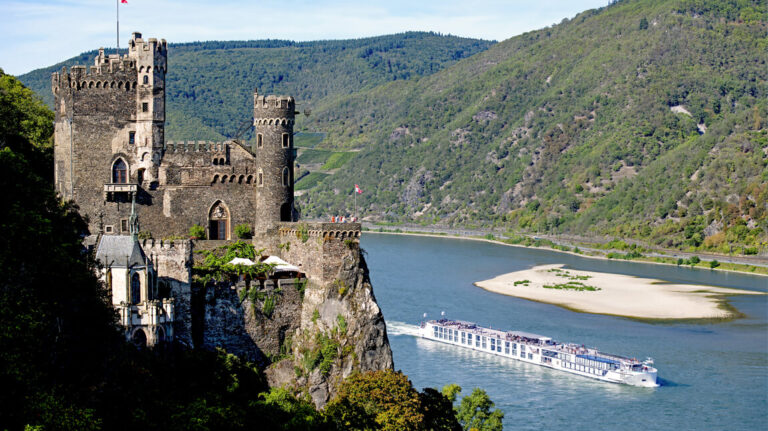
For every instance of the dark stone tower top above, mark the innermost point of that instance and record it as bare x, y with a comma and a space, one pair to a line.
273, 118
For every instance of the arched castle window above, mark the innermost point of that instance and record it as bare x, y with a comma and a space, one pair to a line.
218, 221
119, 172
135, 288
223, 178
215, 179
286, 177
98, 84
146, 79
249, 179
139, 338
231, 178
286, 140
260, 178
215, 162
240, 180
120, 84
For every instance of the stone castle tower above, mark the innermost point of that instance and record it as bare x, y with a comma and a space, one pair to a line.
273, 119
110, 150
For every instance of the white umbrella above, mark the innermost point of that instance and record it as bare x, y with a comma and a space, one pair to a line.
241, 261
280, 265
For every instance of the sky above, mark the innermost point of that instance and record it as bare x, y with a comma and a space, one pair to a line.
39, 33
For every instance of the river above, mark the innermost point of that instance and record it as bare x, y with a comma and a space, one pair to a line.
714, 376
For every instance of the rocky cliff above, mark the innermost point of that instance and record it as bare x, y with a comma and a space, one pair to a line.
311, 332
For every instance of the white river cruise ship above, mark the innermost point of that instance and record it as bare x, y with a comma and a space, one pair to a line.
541, 350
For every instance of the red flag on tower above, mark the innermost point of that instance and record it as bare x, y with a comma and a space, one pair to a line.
123, 1
358, 190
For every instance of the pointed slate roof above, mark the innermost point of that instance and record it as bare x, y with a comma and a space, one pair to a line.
116, 250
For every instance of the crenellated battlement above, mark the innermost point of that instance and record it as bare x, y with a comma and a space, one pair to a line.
114, 71
154, 245
197, 146
273, 110
326, 231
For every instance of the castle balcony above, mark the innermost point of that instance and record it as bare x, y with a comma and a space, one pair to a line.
114, 191
121, 188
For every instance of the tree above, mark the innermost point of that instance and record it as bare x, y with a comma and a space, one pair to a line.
474, 411
58, 325
383, 400
438, 411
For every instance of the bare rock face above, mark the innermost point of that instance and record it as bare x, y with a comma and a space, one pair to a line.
341, 331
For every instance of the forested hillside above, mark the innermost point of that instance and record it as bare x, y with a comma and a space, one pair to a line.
644, 119
210, 84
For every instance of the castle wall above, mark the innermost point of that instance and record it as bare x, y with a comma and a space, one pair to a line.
316, 248
173, 260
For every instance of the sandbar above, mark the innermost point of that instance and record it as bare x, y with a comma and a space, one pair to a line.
615, 294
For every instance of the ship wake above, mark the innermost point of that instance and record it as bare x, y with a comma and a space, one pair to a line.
402, 328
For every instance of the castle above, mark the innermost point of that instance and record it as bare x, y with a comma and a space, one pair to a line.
112, 159
110, 148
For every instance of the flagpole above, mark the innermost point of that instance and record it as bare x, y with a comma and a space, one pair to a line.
117, 8
355, 192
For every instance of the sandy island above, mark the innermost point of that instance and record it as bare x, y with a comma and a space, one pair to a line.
615, 294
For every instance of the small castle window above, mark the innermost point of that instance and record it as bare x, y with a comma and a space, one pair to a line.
131, 138
260, 179
135, 288
119, 172
140, 176
259, 140
286, 176
215, 162
124, 225
286, 140
145, 107
146, 79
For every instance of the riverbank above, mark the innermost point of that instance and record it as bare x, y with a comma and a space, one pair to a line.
615, 294
703, 264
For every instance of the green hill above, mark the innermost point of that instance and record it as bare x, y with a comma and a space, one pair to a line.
210, 84
643, 119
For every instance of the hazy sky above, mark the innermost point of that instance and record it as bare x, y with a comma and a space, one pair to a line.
39, 33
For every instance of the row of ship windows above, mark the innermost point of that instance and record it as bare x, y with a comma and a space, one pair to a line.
495, 345
584, 369
480, 341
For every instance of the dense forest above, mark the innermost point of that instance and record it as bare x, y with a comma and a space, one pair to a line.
210, 84
65, 365
642, 119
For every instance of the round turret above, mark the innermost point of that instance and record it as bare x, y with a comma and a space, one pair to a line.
273, 118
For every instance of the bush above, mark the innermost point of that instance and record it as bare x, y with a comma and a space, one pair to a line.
714, 264
197, 232
243, 231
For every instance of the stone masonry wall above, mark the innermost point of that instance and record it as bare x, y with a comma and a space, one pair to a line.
173, 266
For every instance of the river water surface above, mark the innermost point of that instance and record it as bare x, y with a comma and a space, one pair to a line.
714, 376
